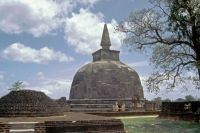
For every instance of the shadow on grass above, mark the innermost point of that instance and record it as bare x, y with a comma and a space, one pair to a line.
155, 125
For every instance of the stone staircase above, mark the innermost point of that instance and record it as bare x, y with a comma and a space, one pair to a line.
22, 127
90, 107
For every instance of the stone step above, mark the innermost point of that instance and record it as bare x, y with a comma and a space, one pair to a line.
22, 127
90, 109
91, 105
22, 131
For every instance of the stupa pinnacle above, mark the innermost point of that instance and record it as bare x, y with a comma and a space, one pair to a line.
105, 40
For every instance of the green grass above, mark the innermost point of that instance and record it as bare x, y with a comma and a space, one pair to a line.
155, 125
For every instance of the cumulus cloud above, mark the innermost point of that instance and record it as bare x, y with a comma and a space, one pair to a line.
91, 2
47, 92
53, 87
22, 53
85, 35
37, 17
40, 76
25, 84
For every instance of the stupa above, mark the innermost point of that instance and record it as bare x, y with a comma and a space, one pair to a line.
28, 103
106, 79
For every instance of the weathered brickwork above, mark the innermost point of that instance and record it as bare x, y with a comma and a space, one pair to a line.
187, 111
92, 126
28, 103
4, 128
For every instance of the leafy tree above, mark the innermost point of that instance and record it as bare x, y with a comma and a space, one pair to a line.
189, 98
166, 100
180, 100
17, 86
171, 28
158, 102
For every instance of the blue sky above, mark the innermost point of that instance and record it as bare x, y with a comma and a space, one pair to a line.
44, 42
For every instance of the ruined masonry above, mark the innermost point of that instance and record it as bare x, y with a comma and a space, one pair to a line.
105, 82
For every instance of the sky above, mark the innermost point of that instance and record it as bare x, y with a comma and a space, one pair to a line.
43, 43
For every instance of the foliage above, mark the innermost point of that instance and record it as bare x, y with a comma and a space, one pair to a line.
17, 86
180, 100
166, 100
189, 98
158, 102
153, 125
171, 28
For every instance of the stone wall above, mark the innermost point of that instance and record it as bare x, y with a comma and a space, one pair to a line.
4, 128
63, 103
92, 126
104, 54
187, 111
84, 126
108, 126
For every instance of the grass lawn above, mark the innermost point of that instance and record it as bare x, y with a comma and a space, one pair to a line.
155, 125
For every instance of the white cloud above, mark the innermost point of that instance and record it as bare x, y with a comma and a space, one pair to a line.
138, 64
47, 92
22, 53
55, 87
25, 84
84, 31
87, 1
37, 17
40, 76
1, 77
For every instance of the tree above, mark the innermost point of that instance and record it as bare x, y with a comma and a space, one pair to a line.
17, 86
158, 102
180, 100
171, 28
189, 98
166, 100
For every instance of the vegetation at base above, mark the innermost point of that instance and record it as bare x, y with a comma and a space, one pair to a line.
156, 125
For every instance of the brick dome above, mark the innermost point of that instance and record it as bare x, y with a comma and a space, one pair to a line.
28, 103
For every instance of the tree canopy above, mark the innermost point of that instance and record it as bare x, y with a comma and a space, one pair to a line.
171, 29
189, 98
16, 86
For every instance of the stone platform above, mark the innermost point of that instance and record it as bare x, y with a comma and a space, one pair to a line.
102, 105
185, 111
70, 122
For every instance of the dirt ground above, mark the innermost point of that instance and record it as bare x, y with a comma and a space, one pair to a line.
69, 116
